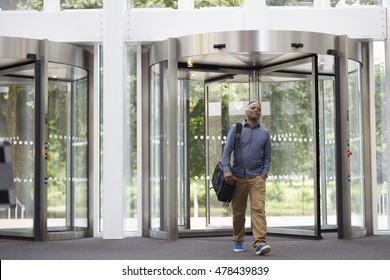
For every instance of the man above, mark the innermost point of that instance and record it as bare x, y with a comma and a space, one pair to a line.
252, 159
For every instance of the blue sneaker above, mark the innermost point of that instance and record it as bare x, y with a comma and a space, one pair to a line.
263, 249
238, 247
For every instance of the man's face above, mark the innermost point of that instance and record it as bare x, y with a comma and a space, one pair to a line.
253, 111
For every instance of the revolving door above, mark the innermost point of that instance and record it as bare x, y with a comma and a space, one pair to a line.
44, 116
309, 85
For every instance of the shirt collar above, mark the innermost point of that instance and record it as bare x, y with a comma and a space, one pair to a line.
244, 123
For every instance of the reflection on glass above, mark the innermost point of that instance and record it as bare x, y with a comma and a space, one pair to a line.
182, 160
227, 3
327, 154
81, 4
273, 3
196, 146
151, 4
131, 139
291, 184
327, 164
382, 179
356, 148
17, 109
58, 187
157, 83
80, 152
344, 3
226, 106
21, 5
67, 166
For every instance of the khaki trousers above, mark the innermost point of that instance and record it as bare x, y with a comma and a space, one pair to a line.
255, 188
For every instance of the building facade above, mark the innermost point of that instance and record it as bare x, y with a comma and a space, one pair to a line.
117, 116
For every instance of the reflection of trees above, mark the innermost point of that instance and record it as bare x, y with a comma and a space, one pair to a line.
380, 117
96, 4
68, 145
173, 3
291, 123
197, 128
17, 124
333, 3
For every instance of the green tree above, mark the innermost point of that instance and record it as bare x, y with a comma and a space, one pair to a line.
197, 127
174, 3
219, 3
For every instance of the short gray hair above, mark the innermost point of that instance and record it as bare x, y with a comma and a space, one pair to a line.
253, 102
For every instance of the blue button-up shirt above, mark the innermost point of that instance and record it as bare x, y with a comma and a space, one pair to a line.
253, 153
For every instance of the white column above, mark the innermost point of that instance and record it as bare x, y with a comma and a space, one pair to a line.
113, 120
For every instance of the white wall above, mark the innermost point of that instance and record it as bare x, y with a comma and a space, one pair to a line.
158, 24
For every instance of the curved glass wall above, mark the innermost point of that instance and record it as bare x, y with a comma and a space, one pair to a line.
356, 146
131, 139
382, 179
17, 125
157, 190
67, 168
45, 116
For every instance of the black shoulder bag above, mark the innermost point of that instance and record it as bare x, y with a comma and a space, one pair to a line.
223, 190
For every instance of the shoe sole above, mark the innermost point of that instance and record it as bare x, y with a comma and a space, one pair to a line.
238, 250
264, 250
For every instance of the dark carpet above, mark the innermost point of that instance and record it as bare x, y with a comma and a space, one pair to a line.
375, 247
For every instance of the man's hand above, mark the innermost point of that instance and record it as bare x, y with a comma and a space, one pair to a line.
262, 176
229, 178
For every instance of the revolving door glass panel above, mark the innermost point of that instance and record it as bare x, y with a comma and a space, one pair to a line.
327, 152
17, 120
67, 188
288, 112
292, 189
226, 103
356, 147
157, 194
208, 107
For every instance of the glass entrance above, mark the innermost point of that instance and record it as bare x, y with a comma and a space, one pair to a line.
300, 96
44, 115
67, 186
289, 94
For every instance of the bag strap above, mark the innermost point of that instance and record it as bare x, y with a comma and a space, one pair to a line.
237, 135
